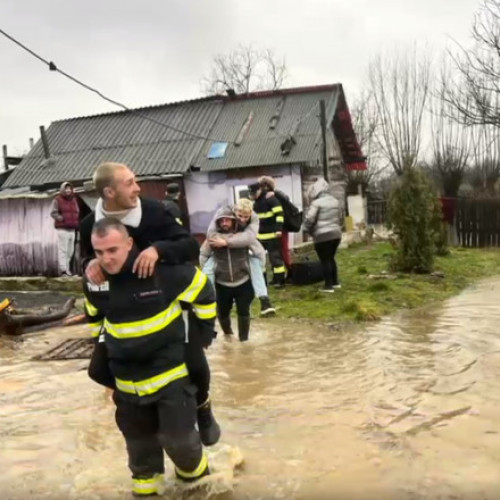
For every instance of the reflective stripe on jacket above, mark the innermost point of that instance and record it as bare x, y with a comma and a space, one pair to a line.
144, 327
271, 218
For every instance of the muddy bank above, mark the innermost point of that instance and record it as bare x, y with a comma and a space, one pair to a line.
40, 283
37, 300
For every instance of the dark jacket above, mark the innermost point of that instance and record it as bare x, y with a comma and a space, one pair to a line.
143, 325
172, 206
157, 228
271, 217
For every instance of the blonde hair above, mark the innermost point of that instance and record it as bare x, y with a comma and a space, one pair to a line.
244, 205
268, 181
104, 175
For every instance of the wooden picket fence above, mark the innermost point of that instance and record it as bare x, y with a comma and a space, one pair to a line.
477, 222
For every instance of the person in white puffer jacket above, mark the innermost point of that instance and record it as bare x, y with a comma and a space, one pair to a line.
323, 223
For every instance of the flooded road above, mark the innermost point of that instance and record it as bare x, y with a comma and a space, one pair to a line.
404, 409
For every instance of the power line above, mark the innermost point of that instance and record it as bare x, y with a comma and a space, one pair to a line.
52, 67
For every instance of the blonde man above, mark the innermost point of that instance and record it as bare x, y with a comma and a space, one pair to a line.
245, 236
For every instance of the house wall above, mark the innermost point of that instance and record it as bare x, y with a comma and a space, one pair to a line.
28, 240
206, 192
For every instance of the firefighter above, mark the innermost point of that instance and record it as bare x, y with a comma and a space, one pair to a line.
144, 333
159, 238
271, 218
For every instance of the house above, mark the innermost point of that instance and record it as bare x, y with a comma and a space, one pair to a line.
213, 147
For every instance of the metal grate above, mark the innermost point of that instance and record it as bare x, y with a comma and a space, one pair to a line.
68, 349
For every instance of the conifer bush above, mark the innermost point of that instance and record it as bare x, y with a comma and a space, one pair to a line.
414, 214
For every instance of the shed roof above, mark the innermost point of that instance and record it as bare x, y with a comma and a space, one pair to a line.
256, 127
78, 145
271, 118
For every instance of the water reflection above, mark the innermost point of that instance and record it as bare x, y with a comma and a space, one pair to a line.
406, 409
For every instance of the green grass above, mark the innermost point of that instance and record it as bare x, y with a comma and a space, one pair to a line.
364, 299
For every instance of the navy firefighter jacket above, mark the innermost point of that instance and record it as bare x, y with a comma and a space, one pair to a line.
143, 325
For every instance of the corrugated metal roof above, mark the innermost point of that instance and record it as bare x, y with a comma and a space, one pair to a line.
261, 144
78, 145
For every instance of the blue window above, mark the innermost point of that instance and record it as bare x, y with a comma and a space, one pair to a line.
217, 150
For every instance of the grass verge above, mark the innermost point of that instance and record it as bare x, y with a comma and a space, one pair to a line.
364, 297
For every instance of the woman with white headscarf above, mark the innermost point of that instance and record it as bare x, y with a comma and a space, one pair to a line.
322, 222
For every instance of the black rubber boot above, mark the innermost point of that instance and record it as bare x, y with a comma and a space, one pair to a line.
266, 308
225, 324
243, 327
207, 425
192, 479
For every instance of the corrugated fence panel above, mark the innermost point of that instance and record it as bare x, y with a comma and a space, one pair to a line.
28, 240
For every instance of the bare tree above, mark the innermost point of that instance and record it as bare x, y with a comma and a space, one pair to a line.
484, 174
366, 124
244, 70
400, 85
451, 140
476, 93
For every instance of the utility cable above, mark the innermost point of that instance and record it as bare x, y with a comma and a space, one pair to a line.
52, 67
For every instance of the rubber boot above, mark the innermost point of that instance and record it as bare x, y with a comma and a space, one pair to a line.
279, 280
207, 425
243, 327
192, 479
225, 324
150, 487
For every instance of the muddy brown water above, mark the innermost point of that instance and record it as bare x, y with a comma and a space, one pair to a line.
408, 408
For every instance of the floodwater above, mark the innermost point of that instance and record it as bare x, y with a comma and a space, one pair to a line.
406, 409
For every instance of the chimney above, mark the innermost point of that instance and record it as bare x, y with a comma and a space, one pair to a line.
5, 160
45, 142
32, 143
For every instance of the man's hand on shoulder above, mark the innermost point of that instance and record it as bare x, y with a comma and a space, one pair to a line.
217, 242
145, 263
94, 273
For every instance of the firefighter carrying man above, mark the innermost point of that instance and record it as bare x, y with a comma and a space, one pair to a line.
142, 327
271, 219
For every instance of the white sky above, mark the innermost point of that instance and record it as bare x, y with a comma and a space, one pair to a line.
156, 51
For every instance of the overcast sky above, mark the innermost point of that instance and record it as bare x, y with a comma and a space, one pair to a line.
144, 52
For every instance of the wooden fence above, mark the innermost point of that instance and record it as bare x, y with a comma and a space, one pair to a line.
477, 222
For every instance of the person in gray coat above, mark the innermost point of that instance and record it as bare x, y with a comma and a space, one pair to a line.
322, 222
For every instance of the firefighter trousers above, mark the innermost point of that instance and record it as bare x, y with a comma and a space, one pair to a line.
196, 361
273, 248
166, 424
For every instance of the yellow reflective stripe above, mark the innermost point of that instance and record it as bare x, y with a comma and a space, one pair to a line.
280, 218
278, 270
4, 304
265, 215
202, 467
154, 384
146, 326
205, 311
194, 289
90, 308
277, 209
95, 328
178, 221
145, 486
266, 236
